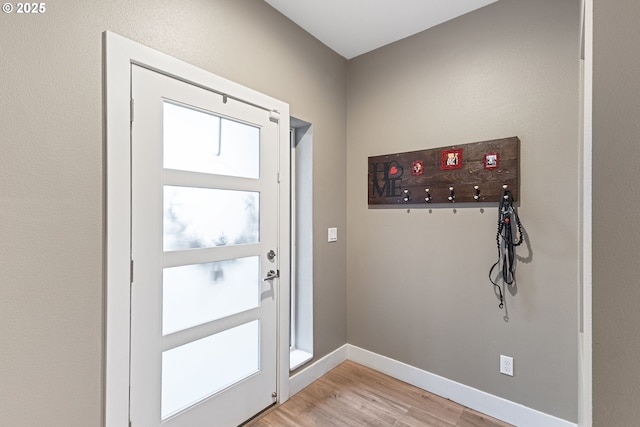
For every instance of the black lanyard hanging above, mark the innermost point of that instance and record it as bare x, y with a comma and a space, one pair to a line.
507, 216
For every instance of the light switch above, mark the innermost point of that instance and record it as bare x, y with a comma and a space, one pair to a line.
333, 234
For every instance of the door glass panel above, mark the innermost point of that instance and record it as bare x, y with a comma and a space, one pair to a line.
200, 293
195, 371
197, 141
202, 217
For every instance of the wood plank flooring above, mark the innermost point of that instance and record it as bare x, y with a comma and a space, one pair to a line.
353, 395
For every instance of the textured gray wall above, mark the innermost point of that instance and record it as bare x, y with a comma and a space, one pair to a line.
51, 176
418, 288
616, 224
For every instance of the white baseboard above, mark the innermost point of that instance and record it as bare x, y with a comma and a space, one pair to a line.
585, 382
317, 369
470, 397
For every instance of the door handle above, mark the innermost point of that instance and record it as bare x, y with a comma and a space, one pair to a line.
272, 275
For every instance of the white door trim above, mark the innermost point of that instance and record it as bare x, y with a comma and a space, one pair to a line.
119, 54
585, 336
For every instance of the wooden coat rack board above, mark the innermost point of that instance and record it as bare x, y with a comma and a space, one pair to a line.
464, 173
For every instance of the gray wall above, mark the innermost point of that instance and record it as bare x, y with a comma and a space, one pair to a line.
51, 177
616, 224
418, 288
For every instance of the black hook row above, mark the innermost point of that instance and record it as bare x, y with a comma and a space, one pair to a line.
428, 198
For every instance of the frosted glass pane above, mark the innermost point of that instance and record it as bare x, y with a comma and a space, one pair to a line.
199, 293
197, 370
201, 217
202, 142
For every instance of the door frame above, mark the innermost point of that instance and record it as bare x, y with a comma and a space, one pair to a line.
119, 54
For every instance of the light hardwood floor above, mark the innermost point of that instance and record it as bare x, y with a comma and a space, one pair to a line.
353, 395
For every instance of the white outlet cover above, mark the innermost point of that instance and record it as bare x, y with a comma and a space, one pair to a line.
506, 365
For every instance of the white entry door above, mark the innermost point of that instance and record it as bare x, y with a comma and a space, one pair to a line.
204, 248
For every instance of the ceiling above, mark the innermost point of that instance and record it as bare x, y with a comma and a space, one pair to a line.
354, 27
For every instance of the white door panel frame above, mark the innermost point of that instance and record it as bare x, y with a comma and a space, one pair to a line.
119, 54
151, 405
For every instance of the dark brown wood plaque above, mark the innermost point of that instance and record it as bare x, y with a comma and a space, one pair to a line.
466, 173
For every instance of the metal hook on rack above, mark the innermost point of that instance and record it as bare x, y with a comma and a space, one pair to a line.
428, 196
477, 195
452, 196
407, 195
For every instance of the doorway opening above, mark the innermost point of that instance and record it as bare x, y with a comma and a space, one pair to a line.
301, 314
121, 269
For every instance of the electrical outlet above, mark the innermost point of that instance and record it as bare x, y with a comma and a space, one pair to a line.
506, 365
